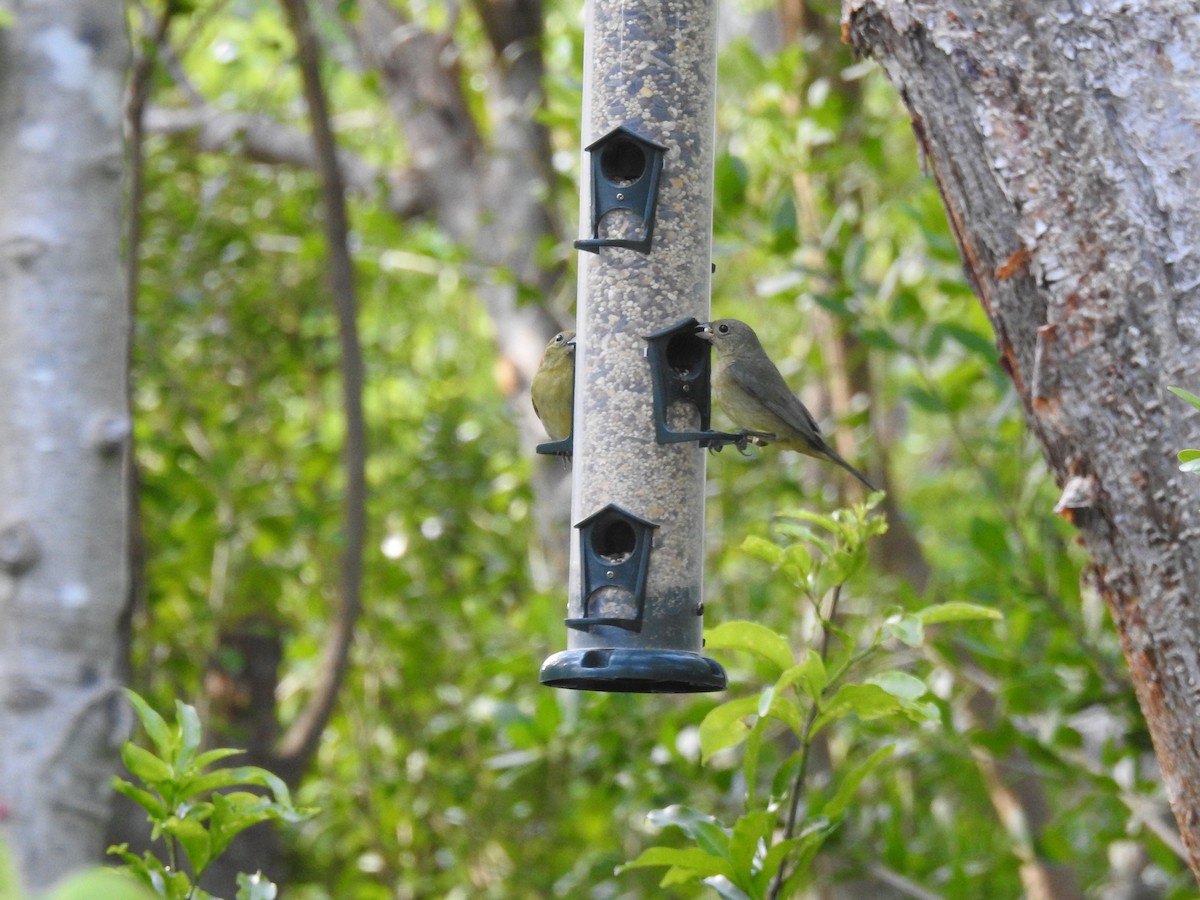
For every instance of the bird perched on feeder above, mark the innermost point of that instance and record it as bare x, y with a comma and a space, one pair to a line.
553, 386
754, 395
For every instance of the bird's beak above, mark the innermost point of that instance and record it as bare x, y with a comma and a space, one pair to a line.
571, 345
705, 332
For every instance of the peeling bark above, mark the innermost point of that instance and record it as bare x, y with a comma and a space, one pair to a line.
1063, 139
64, 428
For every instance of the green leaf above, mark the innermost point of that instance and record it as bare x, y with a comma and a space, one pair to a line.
908, 629
194, 838
784, 224
924, 399
206, 759
98, 884
151, 803
786, 710
159, 732
761, 548
829, 523
804, 533
850, 782
730, 180
900, 684
752, 638
980, 344
725, 726
233, 813
749, 831
956, 611
809, 673
750, 758
800, 850
695, 861
881, 338
1186, 395
678, 816
1192, 465
711, 838
190, 733
706, 831
145, 765
211, 781
255, 775
990, 540
840, 653
867, 701
798, 564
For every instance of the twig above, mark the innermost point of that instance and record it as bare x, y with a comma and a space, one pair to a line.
789, 828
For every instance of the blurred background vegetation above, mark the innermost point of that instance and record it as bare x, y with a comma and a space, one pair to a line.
446, 770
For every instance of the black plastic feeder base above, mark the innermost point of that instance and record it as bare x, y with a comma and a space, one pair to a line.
630, 671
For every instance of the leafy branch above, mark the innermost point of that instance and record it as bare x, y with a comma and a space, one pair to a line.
808, 691
191, 807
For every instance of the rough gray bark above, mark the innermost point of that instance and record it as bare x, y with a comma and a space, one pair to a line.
1063, 137
63, 428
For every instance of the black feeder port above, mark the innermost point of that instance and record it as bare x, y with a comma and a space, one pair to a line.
681, 371
615, 549
625, 174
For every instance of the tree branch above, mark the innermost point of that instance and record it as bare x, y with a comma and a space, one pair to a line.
263, 139
300, 740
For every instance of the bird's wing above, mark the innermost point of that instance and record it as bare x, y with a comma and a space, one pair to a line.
765, 384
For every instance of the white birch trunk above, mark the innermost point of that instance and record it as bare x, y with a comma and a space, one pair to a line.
64, 425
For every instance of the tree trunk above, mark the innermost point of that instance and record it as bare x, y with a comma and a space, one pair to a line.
1062, 136
64, 425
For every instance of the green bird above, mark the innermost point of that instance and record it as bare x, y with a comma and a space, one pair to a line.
553, 387
754, 395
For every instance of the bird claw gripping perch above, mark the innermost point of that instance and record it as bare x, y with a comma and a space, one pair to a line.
740, 439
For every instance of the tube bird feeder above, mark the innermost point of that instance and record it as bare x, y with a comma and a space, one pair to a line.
635, 601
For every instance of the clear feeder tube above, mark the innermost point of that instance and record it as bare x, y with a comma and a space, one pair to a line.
649, 67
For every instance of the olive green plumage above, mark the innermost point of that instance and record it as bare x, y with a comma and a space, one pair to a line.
754, 395
553, 387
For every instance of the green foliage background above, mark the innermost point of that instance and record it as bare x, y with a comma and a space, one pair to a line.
448, 771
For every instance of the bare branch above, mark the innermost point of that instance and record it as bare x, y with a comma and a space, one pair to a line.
300, 740
266, 140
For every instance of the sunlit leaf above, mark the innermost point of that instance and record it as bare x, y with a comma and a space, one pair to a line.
1186, 395
726, 726
753, 638
159, 732
144, 765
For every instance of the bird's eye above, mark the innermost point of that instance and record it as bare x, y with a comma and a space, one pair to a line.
724, 329
558, 339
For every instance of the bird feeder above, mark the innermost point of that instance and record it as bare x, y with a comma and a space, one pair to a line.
635, 604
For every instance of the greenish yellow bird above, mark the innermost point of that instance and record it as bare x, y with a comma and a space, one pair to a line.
553, 387
754, 395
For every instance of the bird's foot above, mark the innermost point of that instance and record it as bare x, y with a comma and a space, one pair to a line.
742, 439
746, 437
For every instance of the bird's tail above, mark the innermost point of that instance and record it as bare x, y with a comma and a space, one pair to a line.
836, 457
